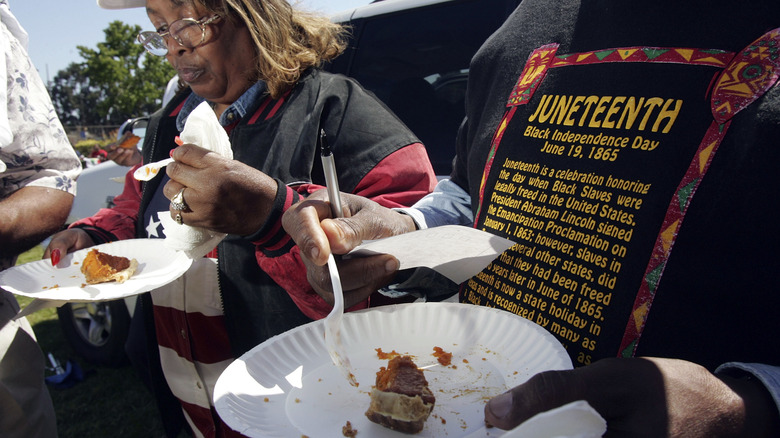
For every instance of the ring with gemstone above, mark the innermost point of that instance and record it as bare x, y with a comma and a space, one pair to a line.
177, 202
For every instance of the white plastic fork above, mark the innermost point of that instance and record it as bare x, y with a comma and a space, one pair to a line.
333, 326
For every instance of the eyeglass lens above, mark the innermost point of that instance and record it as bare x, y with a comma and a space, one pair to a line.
187, 32
153, 42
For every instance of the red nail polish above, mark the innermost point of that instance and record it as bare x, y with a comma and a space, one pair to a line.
178, 140
55, 257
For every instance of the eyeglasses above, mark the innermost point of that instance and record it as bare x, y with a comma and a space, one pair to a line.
188, 32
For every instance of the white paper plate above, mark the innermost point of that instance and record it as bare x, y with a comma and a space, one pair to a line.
288, 386
157, 266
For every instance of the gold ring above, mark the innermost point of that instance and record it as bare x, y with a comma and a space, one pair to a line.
177, 202
178, 220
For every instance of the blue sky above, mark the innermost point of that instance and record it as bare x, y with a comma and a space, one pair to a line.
56, 27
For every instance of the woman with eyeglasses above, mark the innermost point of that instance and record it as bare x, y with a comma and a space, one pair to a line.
256, 63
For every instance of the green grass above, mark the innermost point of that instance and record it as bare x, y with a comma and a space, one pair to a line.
110, 402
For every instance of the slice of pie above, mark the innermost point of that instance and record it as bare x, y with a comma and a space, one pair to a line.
401, 400
129, 140
99, 267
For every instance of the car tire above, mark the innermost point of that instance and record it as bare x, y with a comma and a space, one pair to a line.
97, 331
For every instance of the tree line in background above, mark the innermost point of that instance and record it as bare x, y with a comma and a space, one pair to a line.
115, 82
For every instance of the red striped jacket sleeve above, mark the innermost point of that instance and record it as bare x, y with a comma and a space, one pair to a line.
118, 222
399, 180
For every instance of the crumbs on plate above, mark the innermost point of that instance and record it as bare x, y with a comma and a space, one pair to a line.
348, 431
442, 356
384, 356
443, 421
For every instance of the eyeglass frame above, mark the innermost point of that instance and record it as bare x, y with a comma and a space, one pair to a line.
152, 35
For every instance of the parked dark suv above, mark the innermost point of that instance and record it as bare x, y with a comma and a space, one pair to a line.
414, 55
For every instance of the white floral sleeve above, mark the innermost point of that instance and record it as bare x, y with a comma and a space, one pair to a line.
39, 153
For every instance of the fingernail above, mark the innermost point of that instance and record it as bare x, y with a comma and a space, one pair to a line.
501, 405
392, 265
55, 257
178, 140
170, 154
314, 253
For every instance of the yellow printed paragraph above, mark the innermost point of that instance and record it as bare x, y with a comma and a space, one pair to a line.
571, 228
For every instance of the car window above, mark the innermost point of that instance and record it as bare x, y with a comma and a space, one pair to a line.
416, 61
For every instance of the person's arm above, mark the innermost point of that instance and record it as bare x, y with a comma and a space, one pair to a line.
647, 396
222, 195
124, 156
317, 235
24, 222
448, 204
763, 375
107, 225
117, 222
38, 184
280, 257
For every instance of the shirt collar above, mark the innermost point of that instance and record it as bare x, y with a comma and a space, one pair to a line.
234, 112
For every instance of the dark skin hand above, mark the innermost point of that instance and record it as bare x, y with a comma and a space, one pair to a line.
638, 397
29, 215
223, 195
311, 226
65, 242
124, 157
650, 397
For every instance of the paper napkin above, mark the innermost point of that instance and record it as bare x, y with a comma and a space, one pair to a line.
577, 419
202, 129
